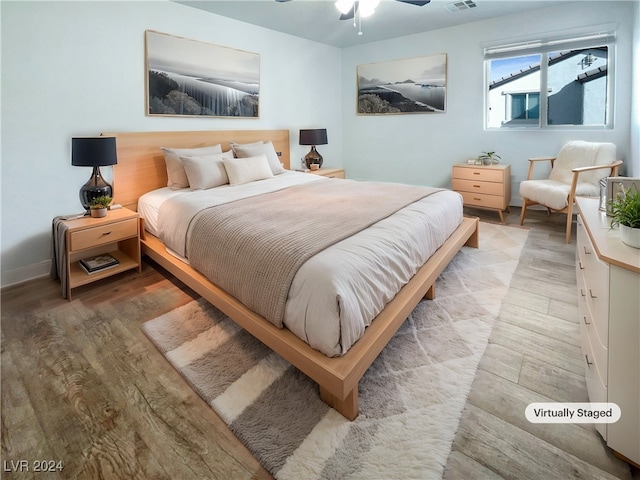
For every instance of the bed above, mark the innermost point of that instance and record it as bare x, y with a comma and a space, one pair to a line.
337, 369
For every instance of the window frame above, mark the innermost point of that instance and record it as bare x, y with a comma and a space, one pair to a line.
604, 36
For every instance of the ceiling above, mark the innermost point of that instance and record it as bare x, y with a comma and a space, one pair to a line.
319, 20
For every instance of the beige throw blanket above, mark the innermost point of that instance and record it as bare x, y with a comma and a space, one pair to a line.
252, 248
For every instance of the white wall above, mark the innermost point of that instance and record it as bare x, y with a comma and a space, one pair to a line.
420, 148
77, 68
634, 171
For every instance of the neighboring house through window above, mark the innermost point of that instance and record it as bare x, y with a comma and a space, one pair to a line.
535, 84
522, 106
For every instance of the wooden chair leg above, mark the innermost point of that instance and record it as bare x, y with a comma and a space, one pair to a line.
524, 210
569, 222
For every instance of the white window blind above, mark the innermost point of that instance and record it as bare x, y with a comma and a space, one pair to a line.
549, 45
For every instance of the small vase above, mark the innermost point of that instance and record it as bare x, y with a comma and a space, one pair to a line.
486, 161
630, 236
98, 212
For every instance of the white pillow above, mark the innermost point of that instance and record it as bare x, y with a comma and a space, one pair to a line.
176, 176
247, 169
206, 171
234, 144
252, 150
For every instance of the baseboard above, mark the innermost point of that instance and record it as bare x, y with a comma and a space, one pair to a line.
23, 274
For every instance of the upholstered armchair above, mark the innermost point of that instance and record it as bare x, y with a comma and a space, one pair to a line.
577, 170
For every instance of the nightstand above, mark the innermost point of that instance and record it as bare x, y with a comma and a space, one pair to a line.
484, 186
118, 234
329, 172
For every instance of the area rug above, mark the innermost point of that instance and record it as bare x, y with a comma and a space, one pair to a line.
411, 398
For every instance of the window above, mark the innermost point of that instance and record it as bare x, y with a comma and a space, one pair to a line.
524, 106
555, 83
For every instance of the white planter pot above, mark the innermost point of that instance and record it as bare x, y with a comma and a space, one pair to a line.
630, 236
98, 212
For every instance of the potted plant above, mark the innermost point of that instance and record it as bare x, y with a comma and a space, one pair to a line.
625, 210
99, 205
487, 158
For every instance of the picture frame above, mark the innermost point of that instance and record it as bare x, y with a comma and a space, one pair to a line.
407, 86
190, 78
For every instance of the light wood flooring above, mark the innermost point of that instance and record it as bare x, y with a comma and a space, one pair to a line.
82, 385
533, 355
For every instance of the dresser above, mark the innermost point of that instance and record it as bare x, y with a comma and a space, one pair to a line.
483, 186
608, 279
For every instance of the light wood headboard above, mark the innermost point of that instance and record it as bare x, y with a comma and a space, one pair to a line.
141, 166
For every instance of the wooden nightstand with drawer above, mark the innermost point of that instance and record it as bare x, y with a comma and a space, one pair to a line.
118, 234
329, 172
484, 186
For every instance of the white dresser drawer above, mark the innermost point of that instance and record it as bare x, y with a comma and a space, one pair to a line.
599, 354
596, 388
598, 302
595, 288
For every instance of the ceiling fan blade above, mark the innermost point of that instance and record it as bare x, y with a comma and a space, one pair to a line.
349, 15
417, 3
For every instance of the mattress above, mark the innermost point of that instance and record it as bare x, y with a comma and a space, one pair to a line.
338, 292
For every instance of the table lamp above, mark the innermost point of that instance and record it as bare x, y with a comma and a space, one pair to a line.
313, 137
94, 152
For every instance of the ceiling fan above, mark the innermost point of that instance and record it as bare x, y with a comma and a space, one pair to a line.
364, 8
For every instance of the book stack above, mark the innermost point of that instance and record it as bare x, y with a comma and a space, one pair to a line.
97, 263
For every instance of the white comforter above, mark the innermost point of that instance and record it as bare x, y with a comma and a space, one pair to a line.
335, 294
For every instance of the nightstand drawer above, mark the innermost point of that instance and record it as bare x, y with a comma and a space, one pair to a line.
482, 200
489, 188
483, 174
104, 234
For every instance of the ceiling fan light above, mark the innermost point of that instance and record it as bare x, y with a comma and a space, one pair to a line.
344, 6
368, 7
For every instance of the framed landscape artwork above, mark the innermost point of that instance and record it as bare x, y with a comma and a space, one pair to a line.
413, 85
191, 78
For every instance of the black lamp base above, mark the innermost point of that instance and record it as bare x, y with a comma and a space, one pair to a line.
313, 157
95, 187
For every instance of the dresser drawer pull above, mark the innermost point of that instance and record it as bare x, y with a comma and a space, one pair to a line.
586, 252
584, 318
476, 173
581, 267
591, 294
477, 199
588, 362
582, 293
476, 186
106, 233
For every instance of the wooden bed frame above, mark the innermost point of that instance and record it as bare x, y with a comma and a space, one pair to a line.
141, 168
